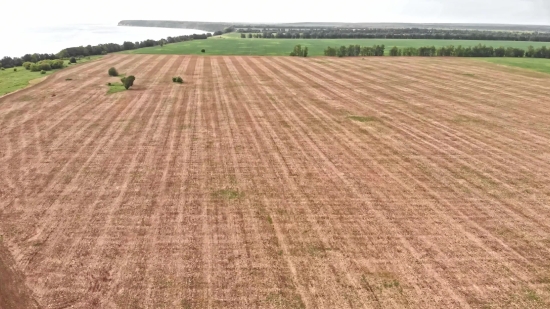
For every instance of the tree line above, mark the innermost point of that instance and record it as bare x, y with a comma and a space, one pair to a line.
445, 51
403, 33
101, 49
355, 50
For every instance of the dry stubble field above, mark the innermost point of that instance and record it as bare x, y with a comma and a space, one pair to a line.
280, 183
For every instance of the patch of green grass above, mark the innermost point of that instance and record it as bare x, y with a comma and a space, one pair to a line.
363, 118
227, 194
232, 44
532, 296
11, 80
115, 87
533, 64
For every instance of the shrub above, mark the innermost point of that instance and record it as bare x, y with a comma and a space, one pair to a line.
177, 79
203, 51
299, 52
34, 68
44, 66
174, 79
128, 81
1, 68
42, 72
108, 84
57, 64
15, 69
27, 65
72, 60
113, 72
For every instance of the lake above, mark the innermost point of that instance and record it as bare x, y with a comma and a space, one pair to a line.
52, 39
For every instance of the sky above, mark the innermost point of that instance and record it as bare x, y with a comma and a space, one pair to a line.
58, 12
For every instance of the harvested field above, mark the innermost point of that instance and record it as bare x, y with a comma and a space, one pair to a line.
265, 182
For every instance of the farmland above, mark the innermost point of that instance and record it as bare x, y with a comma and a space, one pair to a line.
232, 44
11, 80
279, 182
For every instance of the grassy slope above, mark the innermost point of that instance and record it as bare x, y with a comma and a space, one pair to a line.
11, 81
232, 44
539, 65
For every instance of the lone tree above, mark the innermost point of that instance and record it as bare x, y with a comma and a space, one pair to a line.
203, 51
72, 60
299, 52
128, 81
113, 72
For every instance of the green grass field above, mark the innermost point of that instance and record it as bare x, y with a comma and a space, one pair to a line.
232, 44
11, 81
539, 65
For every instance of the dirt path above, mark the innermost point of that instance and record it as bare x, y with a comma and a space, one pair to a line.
277, 182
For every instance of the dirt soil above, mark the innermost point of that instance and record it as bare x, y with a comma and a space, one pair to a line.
279, 182
14, 294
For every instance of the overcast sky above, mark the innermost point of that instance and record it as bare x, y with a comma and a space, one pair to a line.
40, 12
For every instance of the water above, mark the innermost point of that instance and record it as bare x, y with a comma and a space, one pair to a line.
52, 39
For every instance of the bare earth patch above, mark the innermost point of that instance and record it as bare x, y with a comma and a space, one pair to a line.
276, 182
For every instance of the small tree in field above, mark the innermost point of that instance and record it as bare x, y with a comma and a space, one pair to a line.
203, 51
128, 81
299, 52
72, 60
113, 72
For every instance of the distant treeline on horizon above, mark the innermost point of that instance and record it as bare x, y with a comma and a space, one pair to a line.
388, 33
432, 51
101, 49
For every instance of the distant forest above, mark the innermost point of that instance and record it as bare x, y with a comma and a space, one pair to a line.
101, 49
432, 51
387, 33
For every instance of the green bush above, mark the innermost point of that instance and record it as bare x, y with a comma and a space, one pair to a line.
72, 60
15, 69
113, 72
27, 65
203, 51
177, 79
128, 81
42, 72
44, 66
57, 64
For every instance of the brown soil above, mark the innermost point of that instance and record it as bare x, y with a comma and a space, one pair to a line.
14, 294
265, 182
